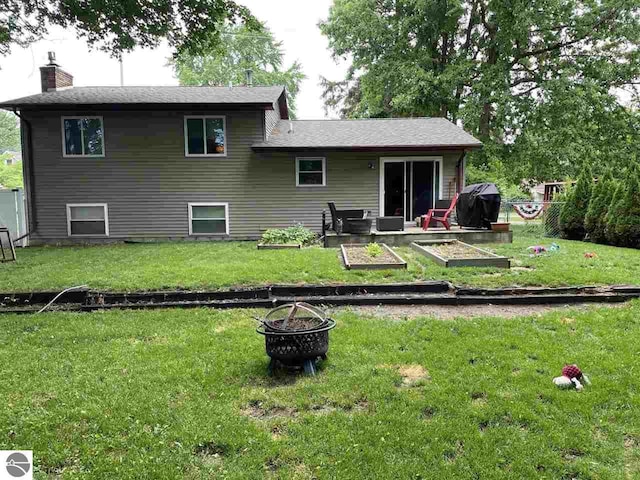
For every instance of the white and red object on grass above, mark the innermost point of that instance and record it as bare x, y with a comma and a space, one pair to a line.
571, 377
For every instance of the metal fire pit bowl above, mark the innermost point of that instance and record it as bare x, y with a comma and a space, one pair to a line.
298, 347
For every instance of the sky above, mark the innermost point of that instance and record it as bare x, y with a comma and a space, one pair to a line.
293, 22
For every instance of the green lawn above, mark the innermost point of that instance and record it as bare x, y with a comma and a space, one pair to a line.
183, 394
221, 265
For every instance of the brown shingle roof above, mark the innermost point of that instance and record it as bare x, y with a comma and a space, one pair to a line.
369, 133
164, 95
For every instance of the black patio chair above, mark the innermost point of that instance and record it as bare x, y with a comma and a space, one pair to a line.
343, 215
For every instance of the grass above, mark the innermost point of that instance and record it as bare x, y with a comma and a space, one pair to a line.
184, 394
221, 265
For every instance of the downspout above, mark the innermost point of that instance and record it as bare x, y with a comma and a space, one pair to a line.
460, 172
27, 171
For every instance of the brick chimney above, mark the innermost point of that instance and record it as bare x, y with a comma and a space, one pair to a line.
52, 77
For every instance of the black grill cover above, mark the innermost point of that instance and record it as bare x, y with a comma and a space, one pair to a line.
478, 205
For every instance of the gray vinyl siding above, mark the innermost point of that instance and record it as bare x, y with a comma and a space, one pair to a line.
147, 181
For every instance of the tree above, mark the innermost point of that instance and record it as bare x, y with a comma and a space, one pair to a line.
10, 175
574, 210
120, 26
614, 214
594, 221
521, 75
9, 132
626, 227
241, 49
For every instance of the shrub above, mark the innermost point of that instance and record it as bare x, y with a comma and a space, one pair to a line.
374, 250
626, 226
613, 214
297, 234
574, 210
595, 221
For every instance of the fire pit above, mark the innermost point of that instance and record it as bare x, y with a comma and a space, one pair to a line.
296, 335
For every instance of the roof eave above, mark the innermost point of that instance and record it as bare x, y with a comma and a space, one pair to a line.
135, 106
370, 148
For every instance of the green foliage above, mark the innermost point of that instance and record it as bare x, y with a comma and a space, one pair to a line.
374, 250
115, 27
615, 213
10, 175
241, 49
595, 220
495, 172
297, 235
575, 208
626, 227
9, 132
535, 81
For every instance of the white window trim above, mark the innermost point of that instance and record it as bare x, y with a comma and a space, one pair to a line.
206, 154
209, 204
64, 141
324, 172
106, 219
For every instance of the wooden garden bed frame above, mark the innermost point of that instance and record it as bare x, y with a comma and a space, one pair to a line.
371, 266
279, 246
484, 259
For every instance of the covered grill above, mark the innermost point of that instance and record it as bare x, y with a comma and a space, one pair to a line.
296, 335
478, 205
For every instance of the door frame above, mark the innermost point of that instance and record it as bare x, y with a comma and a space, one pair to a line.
383, 160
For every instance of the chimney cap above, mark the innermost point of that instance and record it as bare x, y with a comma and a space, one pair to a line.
52, 58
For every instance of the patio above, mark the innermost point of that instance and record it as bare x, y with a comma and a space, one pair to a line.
413, 234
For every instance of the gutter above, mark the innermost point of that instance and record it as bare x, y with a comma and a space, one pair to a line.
367, 148
27, 172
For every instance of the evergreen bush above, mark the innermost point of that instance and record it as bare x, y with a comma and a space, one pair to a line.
613, 214
627, 224
575, 209
595, 221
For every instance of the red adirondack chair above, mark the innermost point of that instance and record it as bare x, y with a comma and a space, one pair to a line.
433, 214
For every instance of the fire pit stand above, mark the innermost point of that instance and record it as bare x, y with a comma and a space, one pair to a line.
298, 339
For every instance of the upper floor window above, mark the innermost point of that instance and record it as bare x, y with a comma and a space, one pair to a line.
205, 136
82, 137
311, 172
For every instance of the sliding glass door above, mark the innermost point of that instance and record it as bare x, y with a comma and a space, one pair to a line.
410, 186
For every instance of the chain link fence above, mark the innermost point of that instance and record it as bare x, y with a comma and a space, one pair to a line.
532, 218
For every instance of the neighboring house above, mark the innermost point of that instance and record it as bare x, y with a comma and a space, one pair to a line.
537, 192
544, 192
11, 158
116, 163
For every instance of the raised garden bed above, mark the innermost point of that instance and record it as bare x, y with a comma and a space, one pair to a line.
454, 253
355, 257
278, 246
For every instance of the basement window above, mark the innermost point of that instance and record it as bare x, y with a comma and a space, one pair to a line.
82, 137
87, 219
208, 219
205, 136
311, 172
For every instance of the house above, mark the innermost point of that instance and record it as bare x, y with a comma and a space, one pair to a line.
116, 163
11, 158
544, 192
